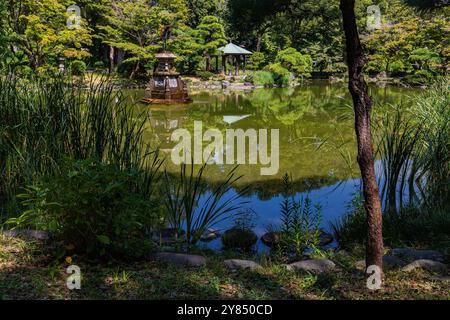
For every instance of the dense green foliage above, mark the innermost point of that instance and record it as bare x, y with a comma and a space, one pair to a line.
263, 78
94, 208
43, 122
302, 36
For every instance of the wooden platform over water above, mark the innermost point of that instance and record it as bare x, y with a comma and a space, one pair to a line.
166, 101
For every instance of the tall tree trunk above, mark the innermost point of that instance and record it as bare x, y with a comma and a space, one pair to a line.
33, 59
259, 36
362, 103
135, 70
111, 59
208, 62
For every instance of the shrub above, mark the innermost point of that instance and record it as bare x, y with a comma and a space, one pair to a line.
43, 122
205, 75
47, 128
257, 61
351, 228
420, 77
399, 66
99, 65
300, 223
95, 208
78, 67
24, 71
295, 62
263, 78
281, 75
425, 59
375, 64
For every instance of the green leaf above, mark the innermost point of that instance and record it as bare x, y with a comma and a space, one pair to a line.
104, 239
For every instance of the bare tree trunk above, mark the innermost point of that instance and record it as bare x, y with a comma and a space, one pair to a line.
208, 62
259, 36
135, 70
258, 41
362, 103
111, 59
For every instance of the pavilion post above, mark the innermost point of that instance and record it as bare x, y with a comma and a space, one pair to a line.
224, 64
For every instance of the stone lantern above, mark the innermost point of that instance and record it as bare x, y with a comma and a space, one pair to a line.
166, 86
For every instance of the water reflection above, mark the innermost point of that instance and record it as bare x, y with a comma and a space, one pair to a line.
317, 145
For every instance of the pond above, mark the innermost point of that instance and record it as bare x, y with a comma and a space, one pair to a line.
316, 142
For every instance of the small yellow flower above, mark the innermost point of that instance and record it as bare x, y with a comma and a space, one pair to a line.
69, 260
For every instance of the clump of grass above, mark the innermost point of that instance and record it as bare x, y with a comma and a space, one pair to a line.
44, 122
414, 146
351, 228
300, 224
398, 147
411, 226
183, 196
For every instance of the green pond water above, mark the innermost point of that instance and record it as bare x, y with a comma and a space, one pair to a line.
316, 142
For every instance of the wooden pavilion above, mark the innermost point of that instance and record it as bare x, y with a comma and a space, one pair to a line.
233, 54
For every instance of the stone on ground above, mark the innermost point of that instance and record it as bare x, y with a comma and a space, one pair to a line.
325, 238
31, 234
388, 261
413, 254
236, 264
237, 238
393, 261
271, 239
168, 235
441, 278
182, 259
210, 235
313, 265
430, 265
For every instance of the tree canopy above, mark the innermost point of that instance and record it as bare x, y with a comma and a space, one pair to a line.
128, 33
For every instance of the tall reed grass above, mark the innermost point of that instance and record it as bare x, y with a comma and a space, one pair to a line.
184, 194
413, 144
43, 122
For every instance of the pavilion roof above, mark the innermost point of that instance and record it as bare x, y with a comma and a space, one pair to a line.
165, 55
231, 48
